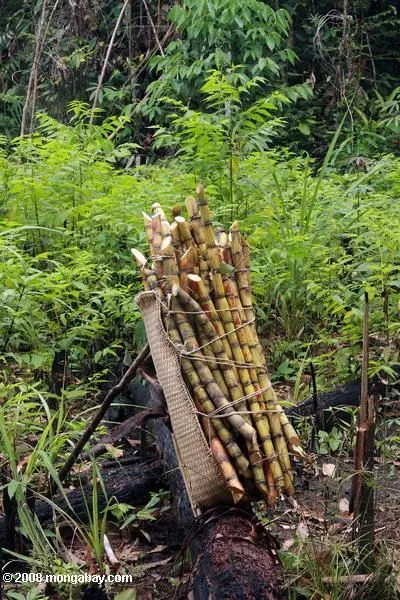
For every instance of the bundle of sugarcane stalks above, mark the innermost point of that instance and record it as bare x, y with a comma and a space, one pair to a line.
201, 276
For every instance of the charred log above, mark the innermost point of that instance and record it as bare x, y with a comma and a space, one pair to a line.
129, 484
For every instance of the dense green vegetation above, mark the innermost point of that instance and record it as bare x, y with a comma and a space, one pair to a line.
290, 117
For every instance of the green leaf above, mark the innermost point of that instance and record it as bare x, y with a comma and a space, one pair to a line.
12, 487
128, 594
225, 268
334, 443
304, 128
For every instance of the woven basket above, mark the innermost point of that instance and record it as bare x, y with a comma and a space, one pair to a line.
204, 483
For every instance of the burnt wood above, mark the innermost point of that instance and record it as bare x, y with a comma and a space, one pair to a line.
129, 484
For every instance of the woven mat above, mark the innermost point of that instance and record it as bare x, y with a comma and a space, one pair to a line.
204, 483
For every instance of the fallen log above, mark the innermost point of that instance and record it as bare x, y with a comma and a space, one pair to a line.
232, 557
331, 403
346, 395
129, 484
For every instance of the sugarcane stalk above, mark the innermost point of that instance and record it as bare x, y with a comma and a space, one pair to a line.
235, 391
176, 242
240, 261
279, 423
209, 234
186, 266
246, 260
222, 459
203, 401
256, 463
198, 234
212, 361
204, 271
148, 227
278, 419
291, 436
227, 258
197, 287
229, 328
253, 449
206, 378
153, 285
242, 275
272, 491
176, 238
140, 260
155, 244
164, 225
222, 242
170, 266
197, 226
184, 231
259, 359
261, 423
273, 416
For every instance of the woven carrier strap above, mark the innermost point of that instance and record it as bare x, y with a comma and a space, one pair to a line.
204, 483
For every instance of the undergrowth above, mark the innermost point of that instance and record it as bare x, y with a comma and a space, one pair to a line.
69, 213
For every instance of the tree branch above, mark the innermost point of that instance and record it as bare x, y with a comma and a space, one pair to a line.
113, 393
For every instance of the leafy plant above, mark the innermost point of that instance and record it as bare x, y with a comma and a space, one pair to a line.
222, 137
329, 441
131, 515
219, 36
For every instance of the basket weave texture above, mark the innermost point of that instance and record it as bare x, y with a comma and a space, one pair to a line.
204, 483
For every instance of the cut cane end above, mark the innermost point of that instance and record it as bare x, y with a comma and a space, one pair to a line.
200, 191
191, 206
140, 259
157, 210
272, 498
176, 210
298, 451
237, 494
166, 243
248, 432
